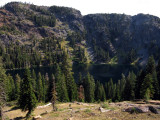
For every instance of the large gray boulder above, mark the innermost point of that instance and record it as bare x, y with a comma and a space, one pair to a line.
141, 109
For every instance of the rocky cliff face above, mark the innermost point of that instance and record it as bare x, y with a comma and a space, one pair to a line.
131, 39
121, 34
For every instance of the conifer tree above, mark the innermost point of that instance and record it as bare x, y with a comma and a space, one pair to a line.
98, 91
48, 87
158, 74
92, 88
3, 86
10, 88
17, 86
70, 82
147, 87
106, 89
71, 88
34, 78
80, 82
156, 86
127, 90
44, 88
117, 96
61, 85
114, 92
150, 67
129, 93
89, 88
133, 80
110, 89
138, 83
27, 100
54, 94
103, 97
122, 84
39, 88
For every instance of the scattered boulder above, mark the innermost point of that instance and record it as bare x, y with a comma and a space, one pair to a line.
78, 103
154, 110
103, 110
141, 109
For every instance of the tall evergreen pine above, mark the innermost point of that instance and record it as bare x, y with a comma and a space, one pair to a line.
158, 74
54, 94
27, 100
17, 86
118, 96
44, 88
70, 82
11, 88
39, 88
61, 85
3, 86
122, 85
89, 88
129, 93
34, 78
147, 90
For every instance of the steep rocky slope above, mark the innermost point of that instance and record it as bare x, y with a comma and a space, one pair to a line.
124, 35
109, 38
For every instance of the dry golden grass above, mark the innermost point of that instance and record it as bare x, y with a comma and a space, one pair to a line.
84, 111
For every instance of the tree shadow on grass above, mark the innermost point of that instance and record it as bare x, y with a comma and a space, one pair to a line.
19, 118
13, 108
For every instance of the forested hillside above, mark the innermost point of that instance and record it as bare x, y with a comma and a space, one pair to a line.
38, 36
40, 32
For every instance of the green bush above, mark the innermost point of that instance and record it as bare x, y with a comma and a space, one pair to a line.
87, 111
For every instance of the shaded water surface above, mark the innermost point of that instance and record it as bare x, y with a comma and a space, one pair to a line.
102, 72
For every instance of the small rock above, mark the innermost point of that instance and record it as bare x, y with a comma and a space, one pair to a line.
70, 118
78, 103
154, 110
103, 110
37, 117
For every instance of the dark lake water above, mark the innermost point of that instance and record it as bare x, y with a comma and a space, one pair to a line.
101, 72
